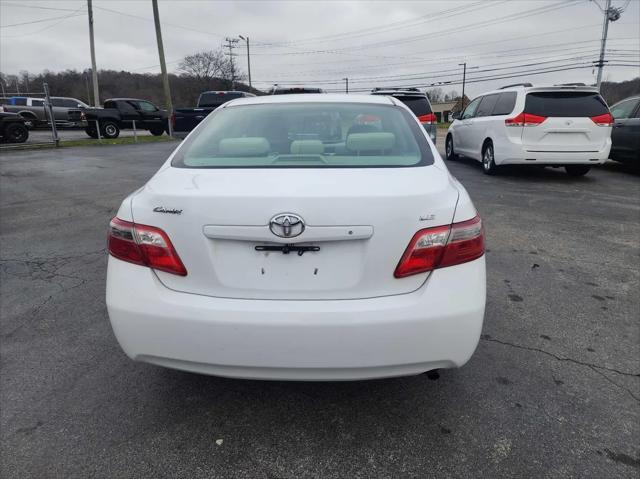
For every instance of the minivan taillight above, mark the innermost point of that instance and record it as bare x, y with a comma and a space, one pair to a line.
525, 119
442, 246
429, 118
603, 120
144, 245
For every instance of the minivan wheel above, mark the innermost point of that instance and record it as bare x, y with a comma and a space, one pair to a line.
577, 170
488, 164
450, 154
110, 129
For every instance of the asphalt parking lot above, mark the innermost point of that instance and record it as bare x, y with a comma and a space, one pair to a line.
553, 389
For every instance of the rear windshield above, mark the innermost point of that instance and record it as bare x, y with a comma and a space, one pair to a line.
565, 104
306, 135
216, 99
417, 104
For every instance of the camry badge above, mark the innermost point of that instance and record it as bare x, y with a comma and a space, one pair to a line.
162, 209
286, 225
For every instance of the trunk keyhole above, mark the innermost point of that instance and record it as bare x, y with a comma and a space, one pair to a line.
315, 271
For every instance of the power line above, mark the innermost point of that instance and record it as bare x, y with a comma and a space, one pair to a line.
386, 28
430, 74
387, 43
47, 27
164, 24
9, 4
500, 77
564, 47
51, 19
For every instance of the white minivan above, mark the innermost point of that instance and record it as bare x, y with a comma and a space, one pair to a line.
564, 125
282, 240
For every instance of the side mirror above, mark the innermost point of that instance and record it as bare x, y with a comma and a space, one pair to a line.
456, 115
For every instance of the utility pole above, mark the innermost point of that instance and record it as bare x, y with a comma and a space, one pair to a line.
94, 71
611, 14
86, 82
248, 58
231, 44
346, 85
464, 79
163, 66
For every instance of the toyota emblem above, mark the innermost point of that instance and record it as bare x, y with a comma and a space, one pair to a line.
286, 225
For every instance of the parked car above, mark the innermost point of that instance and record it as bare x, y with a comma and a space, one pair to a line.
418, 103
625, 136
119, 113
12, 127
563, 125
33, 111
186, 119
261, 250
286, 90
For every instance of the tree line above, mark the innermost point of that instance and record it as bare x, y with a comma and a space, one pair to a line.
207, 70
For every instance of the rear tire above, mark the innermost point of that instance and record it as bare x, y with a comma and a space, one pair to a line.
91, 131
577, 170
157, 131
488, 163
109, 129
449, 151
16, 133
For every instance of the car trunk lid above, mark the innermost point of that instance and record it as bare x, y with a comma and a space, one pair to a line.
357, 224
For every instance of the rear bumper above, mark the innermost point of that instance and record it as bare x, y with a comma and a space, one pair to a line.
517, 154
437, 326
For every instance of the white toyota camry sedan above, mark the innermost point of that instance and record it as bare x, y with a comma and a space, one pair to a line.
300, 237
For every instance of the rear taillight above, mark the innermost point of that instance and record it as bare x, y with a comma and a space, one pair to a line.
144, 245
429, 118
603, 120
173, 120
442, 246
525, 119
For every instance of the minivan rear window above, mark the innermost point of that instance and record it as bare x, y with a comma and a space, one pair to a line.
417, 104
306, 135
565, 104
215, 99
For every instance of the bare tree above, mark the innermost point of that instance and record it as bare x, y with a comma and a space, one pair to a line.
452, 95
206, 66
436, 95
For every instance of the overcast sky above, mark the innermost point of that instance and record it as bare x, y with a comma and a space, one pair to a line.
374, 43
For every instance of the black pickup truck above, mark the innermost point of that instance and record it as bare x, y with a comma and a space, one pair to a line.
119, 113
186, 119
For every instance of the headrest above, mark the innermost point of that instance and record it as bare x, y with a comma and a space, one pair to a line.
382, 140
307, 147
249, 146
